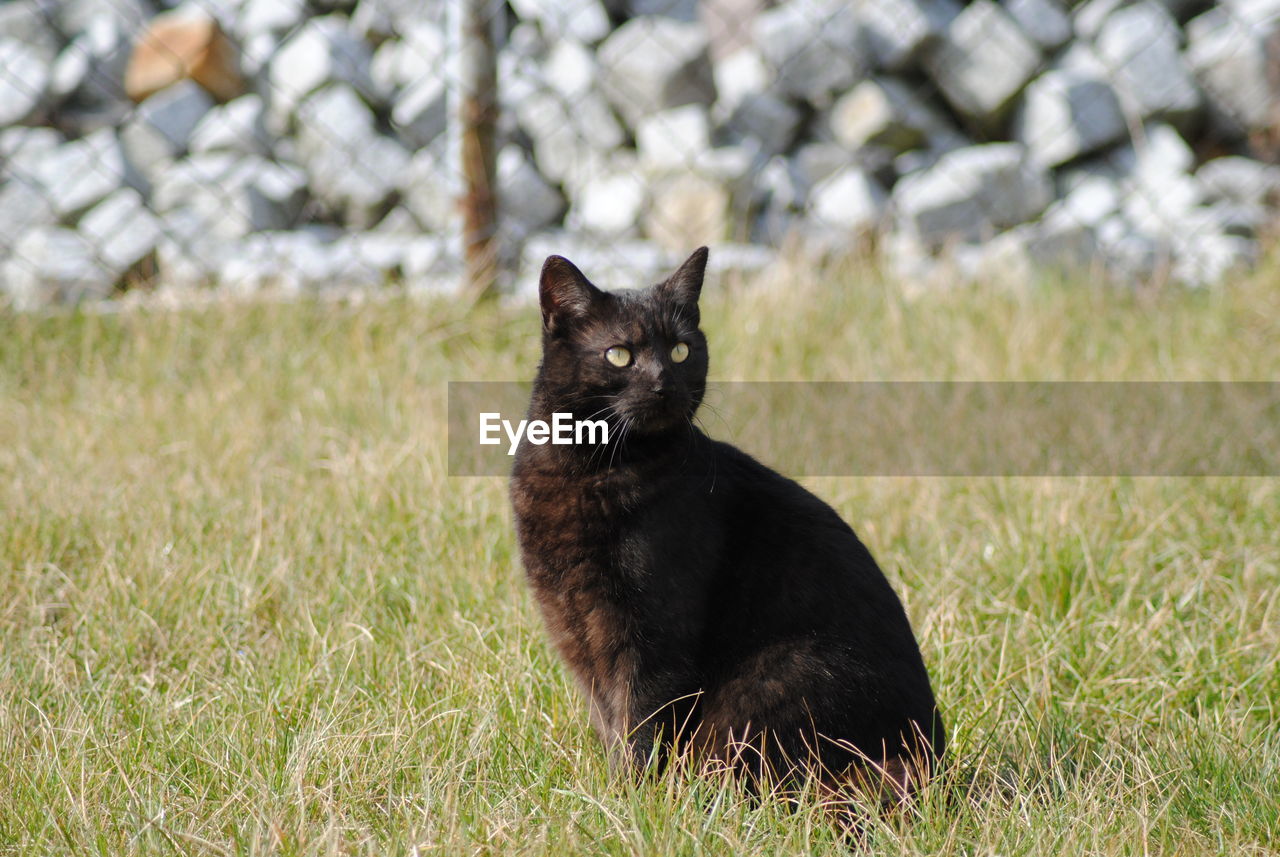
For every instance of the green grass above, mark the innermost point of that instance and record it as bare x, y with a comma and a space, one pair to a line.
243, 610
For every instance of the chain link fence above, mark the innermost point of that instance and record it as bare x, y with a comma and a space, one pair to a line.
331, 144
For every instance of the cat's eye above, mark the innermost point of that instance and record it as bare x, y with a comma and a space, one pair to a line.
618, 356
679, 352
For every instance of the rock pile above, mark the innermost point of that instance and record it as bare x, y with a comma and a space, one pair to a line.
302, 143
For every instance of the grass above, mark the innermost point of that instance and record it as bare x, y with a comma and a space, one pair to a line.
243, 610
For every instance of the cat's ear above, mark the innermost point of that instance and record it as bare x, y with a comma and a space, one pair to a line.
684, 286
565, 294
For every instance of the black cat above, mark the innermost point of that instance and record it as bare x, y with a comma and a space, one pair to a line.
709, 608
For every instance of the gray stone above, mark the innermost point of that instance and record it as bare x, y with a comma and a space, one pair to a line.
122, 232
1088, 18
680, 10
882, 112
768, 121
815, 48
1046, 21
51, 264
420, 112
982, 61
848, 200
528, 203
354, 170
1128, 254
160, 129
613, 265
231, 194
653, 63
239, 125
1240, 180
31, 23
24, 83
74, 16
91, 68
1230, 58
1139, 45
1065, 114
80, 174
671, 139
899, 31
581, 20
972, 193
322, 52
23, 206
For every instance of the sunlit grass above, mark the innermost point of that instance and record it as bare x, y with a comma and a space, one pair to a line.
244, 610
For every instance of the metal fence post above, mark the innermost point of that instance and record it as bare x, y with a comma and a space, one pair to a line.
473, 118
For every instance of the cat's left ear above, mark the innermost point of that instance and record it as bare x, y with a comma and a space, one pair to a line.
684, 286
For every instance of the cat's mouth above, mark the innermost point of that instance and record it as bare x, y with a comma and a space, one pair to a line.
657, 415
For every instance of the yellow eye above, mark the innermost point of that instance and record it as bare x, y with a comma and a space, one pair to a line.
679, 352
618, 356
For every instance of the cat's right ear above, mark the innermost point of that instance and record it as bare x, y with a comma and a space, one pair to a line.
565, 294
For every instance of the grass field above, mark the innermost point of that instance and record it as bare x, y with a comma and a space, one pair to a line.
243, 610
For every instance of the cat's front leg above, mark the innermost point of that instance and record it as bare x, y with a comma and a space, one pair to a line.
664, 712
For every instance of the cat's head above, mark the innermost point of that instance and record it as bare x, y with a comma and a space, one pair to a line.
635, 357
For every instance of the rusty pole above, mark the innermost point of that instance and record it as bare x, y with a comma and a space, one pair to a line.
473, 119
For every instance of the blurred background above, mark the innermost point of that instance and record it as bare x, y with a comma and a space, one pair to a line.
450, 145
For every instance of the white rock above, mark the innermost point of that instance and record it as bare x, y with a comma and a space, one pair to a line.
1230, 59
883, 112
32, 23
526, 202
982, 61
323, 52
898, 31
1240, 180
74, 16
1065, 114
671, 139
23, 148
232, 194
583, 20
1139, 46
1205, 259
1092, 200
51, 264
239, 125
737, 76
80, 174
375, 21
161, 127
687, 210
430, 191
815, 48
275, 17
353, 169
567, 133
24, 83
653, 63
972, 193
121, 231
417, 54
609, 204
1045, 21
848, 200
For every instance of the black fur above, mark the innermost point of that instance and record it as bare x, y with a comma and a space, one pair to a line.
703, 602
